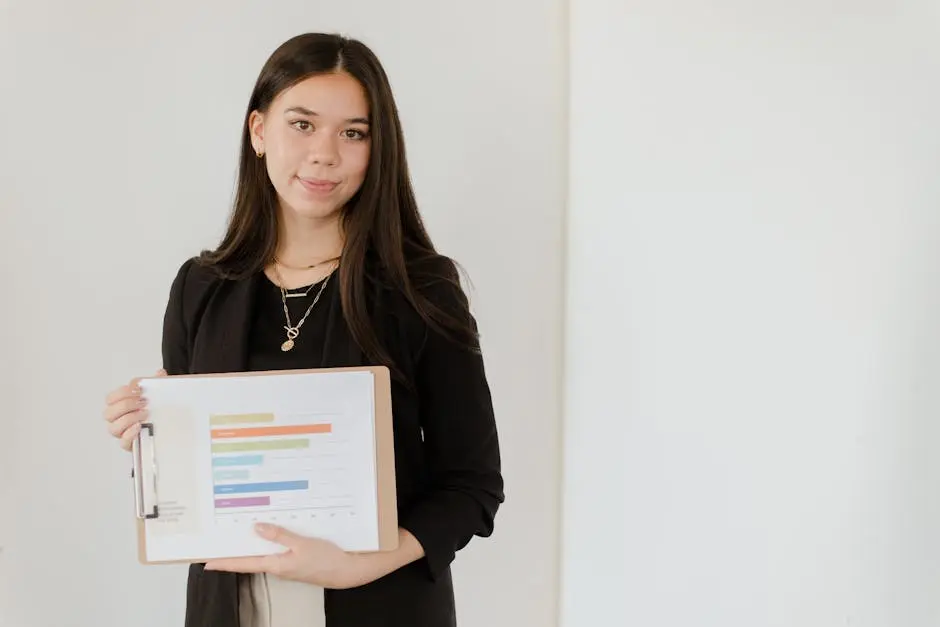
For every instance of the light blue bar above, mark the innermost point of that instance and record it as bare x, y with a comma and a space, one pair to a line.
273, 486
240, 460
230, 475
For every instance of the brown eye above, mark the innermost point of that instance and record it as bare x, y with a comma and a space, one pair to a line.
302, 125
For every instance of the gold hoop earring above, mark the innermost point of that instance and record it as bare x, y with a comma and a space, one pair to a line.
260, 154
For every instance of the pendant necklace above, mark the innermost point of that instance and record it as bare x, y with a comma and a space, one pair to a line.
294, 330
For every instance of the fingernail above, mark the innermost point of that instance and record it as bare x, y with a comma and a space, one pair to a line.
263, 528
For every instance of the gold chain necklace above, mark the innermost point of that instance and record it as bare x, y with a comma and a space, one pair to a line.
303, 294
294, 330
305, 267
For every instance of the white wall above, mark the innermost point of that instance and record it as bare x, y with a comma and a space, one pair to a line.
752, 353
751, 289
8, 420
123, 133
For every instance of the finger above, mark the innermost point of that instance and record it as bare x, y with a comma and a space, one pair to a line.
122, 407
280, 535
120, 394
263, 564
127, 438
122, 424
130, 390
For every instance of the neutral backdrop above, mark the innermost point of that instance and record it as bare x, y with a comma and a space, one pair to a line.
751, 273
753, 328
120, 130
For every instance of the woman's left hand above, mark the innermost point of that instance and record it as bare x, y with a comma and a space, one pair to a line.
310, 560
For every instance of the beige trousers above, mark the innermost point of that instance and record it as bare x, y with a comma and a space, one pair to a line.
267, 601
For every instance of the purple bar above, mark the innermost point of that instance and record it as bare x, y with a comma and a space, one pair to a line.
250, 501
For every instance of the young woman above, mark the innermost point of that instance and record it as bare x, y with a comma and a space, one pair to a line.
326, 263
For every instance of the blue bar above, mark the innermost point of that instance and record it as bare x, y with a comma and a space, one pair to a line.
274, 486
241, 460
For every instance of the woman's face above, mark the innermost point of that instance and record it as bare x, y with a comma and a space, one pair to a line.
316, 144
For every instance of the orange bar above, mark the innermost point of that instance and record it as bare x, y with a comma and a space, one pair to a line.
255, 432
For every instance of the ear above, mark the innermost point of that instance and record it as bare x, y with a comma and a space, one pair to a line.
256, 131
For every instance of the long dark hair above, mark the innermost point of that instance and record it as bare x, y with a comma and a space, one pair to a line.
385, 239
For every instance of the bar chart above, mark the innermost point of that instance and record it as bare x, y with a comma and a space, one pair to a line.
267, 464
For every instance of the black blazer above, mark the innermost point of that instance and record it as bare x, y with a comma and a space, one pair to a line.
447, 460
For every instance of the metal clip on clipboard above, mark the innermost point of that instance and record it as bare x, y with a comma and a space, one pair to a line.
137, 473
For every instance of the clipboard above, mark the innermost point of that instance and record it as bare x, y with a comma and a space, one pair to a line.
310, 450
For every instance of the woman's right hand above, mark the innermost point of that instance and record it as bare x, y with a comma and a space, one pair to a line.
124, 411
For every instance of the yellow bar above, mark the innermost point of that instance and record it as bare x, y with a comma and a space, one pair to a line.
239, 419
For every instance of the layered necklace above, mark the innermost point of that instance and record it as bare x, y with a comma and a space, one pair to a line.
293, 330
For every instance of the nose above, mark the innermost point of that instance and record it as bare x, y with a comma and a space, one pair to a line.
323, 149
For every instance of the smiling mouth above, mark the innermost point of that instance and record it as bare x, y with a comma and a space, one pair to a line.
317, 185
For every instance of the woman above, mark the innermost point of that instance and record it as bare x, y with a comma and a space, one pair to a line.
326, 263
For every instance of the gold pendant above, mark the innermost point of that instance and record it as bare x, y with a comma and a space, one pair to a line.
292, 332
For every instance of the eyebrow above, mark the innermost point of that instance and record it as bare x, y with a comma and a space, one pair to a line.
306, 111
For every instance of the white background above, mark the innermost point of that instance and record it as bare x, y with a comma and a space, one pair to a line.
750, 387
121, 130
753, 313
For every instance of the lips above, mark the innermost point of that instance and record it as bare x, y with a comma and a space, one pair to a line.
317, 186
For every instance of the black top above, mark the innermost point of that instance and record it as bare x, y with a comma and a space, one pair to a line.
447, 461
267, 326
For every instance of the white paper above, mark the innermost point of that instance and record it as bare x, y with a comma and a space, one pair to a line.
296, 450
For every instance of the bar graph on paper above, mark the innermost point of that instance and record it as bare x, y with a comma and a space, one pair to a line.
276, 468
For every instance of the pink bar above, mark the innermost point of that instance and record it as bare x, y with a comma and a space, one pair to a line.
250, 501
